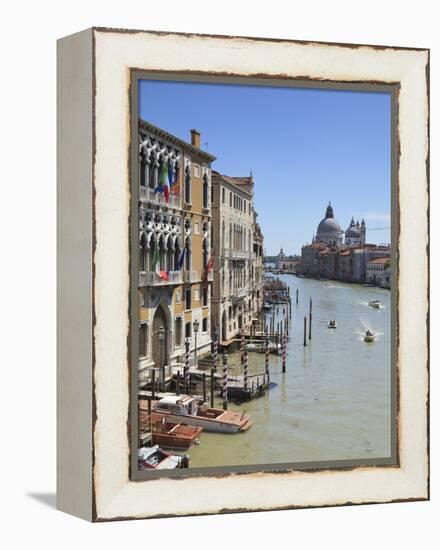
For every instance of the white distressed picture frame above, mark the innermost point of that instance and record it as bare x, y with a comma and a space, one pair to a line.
94, 69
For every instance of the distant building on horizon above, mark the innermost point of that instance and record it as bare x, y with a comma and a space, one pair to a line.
284, 262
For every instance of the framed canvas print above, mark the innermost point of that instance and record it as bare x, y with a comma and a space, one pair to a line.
242, 274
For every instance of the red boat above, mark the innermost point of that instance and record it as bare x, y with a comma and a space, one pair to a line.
166, 433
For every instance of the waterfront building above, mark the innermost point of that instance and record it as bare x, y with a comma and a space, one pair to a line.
174, 247
379, 272
238, 255
284, 262
334, 254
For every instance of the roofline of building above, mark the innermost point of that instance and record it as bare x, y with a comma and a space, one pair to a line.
147, 126
229, 181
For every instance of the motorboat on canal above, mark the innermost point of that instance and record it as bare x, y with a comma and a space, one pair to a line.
369, 336
332, 324
259, 346
375, 303
166, 434
155, 458
185, 409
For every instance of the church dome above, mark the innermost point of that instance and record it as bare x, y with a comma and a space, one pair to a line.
353, 231
328, 225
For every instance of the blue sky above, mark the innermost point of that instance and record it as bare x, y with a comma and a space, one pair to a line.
304, 146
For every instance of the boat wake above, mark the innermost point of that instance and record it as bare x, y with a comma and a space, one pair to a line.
366, 304
367, 327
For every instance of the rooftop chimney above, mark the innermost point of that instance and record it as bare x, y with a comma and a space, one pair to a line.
195, 138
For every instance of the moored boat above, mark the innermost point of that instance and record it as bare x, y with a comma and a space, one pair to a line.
192, 411
166, 434
259, 346
155, 458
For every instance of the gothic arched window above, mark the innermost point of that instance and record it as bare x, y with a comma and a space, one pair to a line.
205, 254
188, 185
143, 254
187, 255
205, 191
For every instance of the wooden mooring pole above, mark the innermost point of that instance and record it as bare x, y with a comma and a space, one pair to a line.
204, 386
212, 387
245, 370
297, 293
225, 381
310, 319
284, 352
215, 349
305, 330
186, 368
153, 382
266, 362
178, 383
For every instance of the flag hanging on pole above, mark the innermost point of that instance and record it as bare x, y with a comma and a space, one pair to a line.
180, 262
173, 178
163, 182
208, 269
155, 257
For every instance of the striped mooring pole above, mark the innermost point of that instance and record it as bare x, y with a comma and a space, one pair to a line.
242, 343
284, 352
266, 361
245, 371
215, 351
186, 373
225, 381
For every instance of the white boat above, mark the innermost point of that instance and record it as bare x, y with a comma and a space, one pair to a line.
154, 458
185, 409
332, 324
369, 336
259, 346
375, 303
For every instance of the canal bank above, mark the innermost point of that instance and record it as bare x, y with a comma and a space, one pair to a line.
333, 402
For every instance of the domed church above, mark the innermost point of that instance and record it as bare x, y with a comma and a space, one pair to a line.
330, 232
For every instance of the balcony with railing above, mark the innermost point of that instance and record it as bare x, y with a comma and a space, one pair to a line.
239, 255
190, 276
148, 194
152, 278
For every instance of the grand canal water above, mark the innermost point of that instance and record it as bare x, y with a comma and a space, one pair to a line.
334, 402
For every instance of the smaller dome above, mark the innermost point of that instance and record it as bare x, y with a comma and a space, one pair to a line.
352, 232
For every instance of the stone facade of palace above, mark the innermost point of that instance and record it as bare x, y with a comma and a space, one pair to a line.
237, 295
379, 272
173, 297
335, 254
200, 251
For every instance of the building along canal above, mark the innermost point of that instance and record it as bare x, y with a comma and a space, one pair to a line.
334, 400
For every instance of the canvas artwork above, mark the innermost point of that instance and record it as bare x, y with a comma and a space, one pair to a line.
243, 274
264, 276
